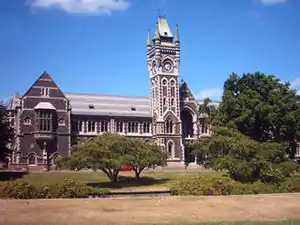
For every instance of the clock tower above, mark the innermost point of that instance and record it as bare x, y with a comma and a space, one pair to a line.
163, 57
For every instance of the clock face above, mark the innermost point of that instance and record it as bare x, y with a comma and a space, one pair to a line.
167, 66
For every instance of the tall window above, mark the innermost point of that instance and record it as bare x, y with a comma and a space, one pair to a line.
170, 148
169, 127
91, 126
133, 127
146, 128
31, 160
104, 126
119, 127
44, 121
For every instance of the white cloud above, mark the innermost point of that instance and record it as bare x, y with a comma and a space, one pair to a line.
82, 6
272, 2
213, 93
295, 82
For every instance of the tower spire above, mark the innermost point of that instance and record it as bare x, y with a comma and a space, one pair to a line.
177, 35
149, 44
156, 36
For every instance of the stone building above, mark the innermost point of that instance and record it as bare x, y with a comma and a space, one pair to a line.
48, 121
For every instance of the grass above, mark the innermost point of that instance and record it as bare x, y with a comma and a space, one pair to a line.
159, 211
149, 180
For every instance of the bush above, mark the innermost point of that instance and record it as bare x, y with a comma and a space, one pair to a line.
66, 189
223, 185
18, 190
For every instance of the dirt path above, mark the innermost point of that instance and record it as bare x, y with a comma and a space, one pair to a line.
150, 211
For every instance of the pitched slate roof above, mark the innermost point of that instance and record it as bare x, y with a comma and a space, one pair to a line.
109, 105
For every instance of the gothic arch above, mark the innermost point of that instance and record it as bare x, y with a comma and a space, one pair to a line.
32, 159
188, 118
54, 156
170, 115
171, 148
167, 58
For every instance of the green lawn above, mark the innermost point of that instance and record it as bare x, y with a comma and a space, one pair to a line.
149, 180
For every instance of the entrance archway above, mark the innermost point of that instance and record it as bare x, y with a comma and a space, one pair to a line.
187, 124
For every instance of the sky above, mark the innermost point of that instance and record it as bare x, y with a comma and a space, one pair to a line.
99, 46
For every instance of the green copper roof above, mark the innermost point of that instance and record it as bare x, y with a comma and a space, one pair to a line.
163, 27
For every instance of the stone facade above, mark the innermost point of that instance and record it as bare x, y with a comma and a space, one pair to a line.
48, 121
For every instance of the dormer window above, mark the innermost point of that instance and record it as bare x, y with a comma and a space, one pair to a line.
91, 106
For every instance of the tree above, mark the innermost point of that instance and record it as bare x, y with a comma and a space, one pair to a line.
244, 158
6, 134
207, 111
145, 155
109, 152
105, 152
262, 108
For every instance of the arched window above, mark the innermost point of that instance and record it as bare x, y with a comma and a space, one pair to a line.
54, 158
171, 148
169, 126
32, 160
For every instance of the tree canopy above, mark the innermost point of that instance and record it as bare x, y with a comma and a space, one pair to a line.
6, 134
109, 152
244, 158
261, 107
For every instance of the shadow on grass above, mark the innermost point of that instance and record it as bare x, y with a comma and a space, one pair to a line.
129, 182
11, 175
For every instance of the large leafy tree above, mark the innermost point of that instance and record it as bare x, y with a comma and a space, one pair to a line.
144, 155
244, 158
6, 134
109, 152
262, 108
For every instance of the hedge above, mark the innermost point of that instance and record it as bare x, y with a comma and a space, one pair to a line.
223, 185
66, 189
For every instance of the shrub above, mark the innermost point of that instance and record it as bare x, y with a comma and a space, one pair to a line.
223, 185
291, 184
66, 189
204, 185
18, 190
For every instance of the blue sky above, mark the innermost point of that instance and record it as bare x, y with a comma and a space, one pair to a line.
99, 46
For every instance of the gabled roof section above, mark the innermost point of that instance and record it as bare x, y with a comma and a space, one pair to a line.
45, 80
185, 92
163, 27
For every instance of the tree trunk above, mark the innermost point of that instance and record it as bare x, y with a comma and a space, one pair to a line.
113, 175
138, 171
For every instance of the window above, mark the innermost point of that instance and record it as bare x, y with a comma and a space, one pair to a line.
172, 102
133, 109
44, 91
32, 160
119, 127
91, 106
104, 126
133, 127
44, 121
79, 126
91, 126
164, 101
27, 121
146, 128
170, 148
169, 127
